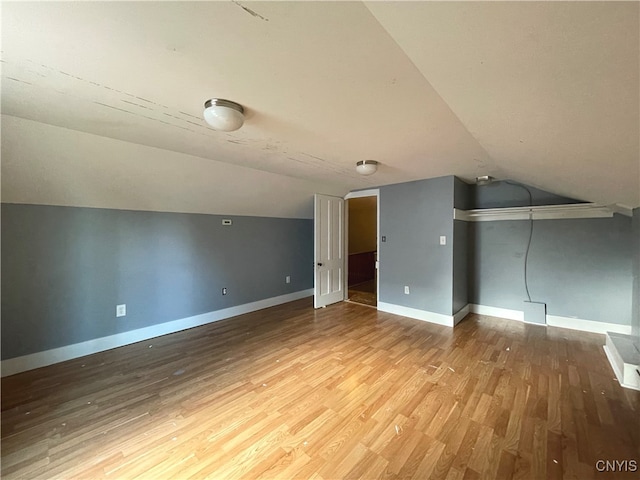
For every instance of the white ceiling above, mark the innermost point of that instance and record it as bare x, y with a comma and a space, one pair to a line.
544, 93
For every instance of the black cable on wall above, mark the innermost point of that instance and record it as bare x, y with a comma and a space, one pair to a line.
526, 255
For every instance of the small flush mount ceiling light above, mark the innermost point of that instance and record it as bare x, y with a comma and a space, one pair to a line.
484, 180
223, 115
366, 167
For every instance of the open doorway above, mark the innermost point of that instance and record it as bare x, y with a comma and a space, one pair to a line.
362, 244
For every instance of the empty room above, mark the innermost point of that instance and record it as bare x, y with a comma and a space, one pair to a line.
320, 240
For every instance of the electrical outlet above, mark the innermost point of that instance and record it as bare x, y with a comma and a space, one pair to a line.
121, 310
406, 289
224, 291
287, 279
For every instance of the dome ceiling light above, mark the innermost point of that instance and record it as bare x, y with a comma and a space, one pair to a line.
223, 115
366, 167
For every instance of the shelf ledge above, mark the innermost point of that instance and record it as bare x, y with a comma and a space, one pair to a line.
541, 212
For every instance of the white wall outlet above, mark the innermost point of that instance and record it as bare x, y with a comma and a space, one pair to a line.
121, 310
287, 279
406, 289
443, 239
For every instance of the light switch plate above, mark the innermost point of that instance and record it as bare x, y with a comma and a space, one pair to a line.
443, 240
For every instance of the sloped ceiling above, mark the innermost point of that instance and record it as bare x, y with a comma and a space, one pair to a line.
550, 90
543, 93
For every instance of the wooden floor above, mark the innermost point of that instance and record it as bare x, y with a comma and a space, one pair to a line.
341, 392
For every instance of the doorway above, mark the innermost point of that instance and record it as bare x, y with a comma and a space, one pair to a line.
362, 244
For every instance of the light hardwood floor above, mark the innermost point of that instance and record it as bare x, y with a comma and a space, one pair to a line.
341, 392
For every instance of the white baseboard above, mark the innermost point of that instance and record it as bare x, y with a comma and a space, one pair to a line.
437, 318
68, 352
614, 364
497, 312
624, 359
587, 325
554, 320
460, 314
623, 379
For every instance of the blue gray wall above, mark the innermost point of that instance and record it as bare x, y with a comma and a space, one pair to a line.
64, 269
579, 267
413, 215
503, 195
460, 265
635, 318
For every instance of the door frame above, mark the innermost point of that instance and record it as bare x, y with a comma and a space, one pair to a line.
373, 192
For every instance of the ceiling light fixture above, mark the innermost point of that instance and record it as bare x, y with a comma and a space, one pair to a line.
366, 167
484, 180
223, 115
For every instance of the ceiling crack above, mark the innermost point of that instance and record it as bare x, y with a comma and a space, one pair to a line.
250, 12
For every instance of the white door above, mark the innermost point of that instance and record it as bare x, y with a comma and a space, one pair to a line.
328, 250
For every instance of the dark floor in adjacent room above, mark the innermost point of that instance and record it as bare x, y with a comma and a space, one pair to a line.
364, 293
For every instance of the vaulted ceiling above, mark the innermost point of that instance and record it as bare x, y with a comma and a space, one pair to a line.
102, 101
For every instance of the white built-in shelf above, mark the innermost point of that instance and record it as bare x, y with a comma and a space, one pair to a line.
542, 212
